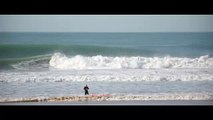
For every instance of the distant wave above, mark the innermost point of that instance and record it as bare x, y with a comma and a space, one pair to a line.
25, 63
33, 63
24, 50
61, 61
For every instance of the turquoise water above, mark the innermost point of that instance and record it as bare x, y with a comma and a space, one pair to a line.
16, 47
111, 44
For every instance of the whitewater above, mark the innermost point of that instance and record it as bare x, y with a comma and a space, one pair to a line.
125, 66
61, 68
61, 61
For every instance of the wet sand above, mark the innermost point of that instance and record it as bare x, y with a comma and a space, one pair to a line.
117, 103
107, 99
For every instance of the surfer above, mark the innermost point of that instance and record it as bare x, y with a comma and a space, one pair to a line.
86, 88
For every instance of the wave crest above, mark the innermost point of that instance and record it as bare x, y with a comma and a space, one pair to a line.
61, 61
33, 63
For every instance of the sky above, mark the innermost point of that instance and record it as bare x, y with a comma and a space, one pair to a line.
106, 23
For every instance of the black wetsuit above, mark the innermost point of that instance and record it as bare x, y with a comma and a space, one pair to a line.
86, 90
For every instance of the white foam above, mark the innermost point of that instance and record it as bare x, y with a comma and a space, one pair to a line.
109, 75
61, 61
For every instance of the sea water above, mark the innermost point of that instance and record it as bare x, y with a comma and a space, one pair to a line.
60, 64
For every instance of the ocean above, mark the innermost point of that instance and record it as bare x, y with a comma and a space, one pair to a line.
120, 64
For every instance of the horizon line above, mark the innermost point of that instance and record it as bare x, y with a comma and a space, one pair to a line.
103, 32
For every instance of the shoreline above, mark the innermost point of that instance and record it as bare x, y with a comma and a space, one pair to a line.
116, 103
115, 99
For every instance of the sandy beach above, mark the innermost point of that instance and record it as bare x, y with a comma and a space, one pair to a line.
107, 99
117, 103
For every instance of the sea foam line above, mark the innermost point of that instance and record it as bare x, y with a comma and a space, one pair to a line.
109, 75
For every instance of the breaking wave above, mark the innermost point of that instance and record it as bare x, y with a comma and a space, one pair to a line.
109, 75
61, 61
32, 63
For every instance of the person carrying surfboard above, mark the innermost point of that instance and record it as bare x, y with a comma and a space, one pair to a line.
86, 88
